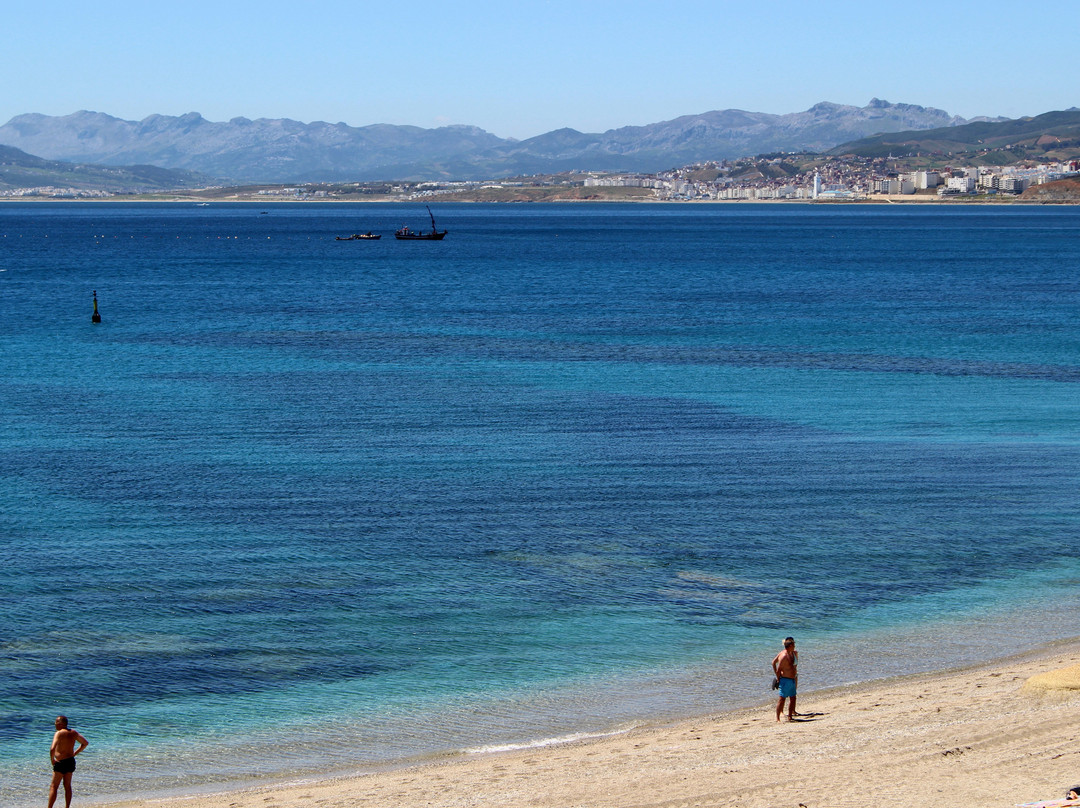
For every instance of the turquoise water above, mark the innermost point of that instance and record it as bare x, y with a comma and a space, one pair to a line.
299, 506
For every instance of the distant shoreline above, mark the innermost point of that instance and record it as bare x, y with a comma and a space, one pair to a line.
876, 200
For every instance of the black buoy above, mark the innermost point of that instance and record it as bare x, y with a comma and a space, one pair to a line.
95, 318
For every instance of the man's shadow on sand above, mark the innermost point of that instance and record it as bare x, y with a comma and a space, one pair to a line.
801, 718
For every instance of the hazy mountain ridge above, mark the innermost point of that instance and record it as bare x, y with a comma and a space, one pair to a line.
823, 123
284, 150
240, 149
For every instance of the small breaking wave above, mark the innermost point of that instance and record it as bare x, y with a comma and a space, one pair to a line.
540, 743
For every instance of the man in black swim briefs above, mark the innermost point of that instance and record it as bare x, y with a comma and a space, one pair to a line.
64, 766
62, 753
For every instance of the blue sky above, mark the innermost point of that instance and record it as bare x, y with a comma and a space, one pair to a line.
519, 69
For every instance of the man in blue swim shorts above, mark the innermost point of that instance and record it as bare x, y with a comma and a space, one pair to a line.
785, 667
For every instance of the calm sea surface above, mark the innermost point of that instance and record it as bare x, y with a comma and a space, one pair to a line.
298, 507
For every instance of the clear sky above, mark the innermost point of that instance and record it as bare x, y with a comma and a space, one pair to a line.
519, 68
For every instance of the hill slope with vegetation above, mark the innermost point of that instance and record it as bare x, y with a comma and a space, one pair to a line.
19, 170
1052, 136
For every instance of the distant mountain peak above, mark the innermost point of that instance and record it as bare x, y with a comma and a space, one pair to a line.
827, 106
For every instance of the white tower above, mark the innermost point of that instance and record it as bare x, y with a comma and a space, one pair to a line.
817, 184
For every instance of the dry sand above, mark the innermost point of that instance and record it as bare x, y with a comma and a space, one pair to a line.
973, 737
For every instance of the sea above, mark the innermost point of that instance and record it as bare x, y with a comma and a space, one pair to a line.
300, 508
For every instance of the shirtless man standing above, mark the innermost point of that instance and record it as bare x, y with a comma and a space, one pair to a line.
63, 752
785, 666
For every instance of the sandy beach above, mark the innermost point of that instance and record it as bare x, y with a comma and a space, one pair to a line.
981, 736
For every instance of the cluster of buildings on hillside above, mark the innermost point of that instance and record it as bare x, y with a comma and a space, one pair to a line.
1008, 180
839, 179
55, 193
294, 193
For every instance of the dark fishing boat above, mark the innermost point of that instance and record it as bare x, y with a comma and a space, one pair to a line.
405, 234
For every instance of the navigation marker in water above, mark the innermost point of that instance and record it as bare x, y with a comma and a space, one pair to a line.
95, 317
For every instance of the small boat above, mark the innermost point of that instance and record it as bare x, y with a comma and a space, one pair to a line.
368, 236
405, 234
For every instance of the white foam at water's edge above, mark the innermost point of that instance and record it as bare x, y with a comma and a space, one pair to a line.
543, 742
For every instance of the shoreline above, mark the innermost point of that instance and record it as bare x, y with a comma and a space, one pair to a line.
877, 199
968, 736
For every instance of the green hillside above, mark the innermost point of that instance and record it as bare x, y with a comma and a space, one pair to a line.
19, 170
1047, 137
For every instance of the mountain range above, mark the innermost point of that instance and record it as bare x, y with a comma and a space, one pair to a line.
283, 150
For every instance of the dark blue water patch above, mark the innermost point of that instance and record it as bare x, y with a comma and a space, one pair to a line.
364, 347
610, 461
118, 680
16, 727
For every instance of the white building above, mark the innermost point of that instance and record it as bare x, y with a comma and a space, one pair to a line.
1015, 185
897, 186
926, 179
961, 185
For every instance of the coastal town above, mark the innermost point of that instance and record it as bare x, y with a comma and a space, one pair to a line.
780, 177
792, 177
805, 178
838, 179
